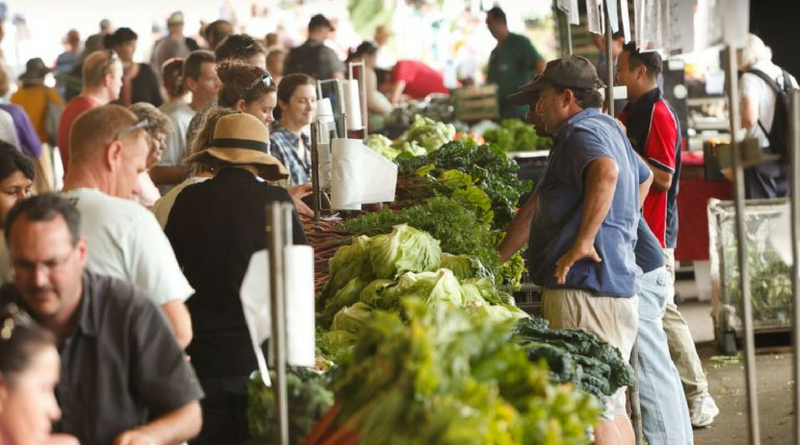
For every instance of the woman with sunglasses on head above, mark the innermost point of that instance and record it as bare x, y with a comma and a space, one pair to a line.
16, 178
139, 82
29, 372
158, 127
251, 90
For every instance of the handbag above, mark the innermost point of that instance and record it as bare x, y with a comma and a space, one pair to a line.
52, 115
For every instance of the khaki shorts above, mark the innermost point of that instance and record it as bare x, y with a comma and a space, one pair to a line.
614, 320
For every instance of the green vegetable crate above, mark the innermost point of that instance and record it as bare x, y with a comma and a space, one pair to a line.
476, 103
770, 278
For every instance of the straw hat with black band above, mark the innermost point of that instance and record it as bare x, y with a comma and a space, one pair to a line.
241, 139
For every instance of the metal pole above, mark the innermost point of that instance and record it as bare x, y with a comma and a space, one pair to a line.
794, 200
741, 247
275, 243
609, 63
364, 111
315, 198
569, 34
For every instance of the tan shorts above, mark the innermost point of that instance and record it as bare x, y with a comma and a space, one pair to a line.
614, 320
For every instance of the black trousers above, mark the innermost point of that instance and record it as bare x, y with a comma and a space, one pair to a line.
224, 411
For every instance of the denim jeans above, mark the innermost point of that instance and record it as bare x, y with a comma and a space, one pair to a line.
665, 416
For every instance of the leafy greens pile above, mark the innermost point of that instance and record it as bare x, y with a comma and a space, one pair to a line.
446, 219
516, 135
309, 399
575, 356
488, 168
445, 378
382, 271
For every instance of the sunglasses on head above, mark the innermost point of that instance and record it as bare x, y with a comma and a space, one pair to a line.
144, 123
265, 80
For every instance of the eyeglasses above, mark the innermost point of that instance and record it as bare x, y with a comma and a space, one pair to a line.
49, 266
12, 317
144, 123
265, 80
112, 58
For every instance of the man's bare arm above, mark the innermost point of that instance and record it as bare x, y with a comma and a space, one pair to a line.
180, 320
519, 230
173, 428
599, 186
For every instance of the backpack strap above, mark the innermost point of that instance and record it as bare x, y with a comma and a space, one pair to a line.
770, 81
775, 87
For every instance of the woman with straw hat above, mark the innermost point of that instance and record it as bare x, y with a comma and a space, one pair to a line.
215, 227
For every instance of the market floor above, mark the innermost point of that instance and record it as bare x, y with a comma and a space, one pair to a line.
727, 383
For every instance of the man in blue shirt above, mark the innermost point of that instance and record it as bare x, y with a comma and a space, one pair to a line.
584, 224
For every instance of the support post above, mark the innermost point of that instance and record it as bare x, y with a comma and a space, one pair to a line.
275, 243
794, 201
732, 82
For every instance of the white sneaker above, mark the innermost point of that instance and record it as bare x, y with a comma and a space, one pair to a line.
703, 411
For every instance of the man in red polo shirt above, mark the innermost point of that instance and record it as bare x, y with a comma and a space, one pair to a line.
654, 131
102, 81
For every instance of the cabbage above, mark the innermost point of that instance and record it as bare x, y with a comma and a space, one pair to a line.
410, 147
488, 291
382, 145
465, 267
350, 262
335, 345
430, 287
406, 249
373, 294
497, 313
351, 319
343, 297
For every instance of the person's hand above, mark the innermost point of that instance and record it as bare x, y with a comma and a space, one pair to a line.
301, 191
135, 437
577, 253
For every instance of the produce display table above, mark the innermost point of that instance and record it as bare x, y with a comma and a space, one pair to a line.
693, 196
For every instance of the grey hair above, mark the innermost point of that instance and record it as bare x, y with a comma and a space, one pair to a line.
755, 51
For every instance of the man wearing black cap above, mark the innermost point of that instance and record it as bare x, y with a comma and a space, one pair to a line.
584, 225
313, 57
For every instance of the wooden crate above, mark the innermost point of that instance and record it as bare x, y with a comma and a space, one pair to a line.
476, 103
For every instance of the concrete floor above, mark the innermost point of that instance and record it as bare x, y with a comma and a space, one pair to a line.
727, 383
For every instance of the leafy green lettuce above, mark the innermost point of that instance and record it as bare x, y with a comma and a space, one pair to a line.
404, 249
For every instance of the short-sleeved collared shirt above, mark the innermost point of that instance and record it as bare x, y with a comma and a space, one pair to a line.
122, 367
655, 133
510, 65
585, 137
284, 145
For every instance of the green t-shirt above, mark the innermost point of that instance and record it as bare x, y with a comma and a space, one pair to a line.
510, 65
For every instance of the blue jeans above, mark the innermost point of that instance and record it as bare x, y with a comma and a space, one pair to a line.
665, 417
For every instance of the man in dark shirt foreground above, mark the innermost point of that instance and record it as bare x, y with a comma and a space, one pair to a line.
124, 379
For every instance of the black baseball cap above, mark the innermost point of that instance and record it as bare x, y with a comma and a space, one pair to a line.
568, 71
318, 21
